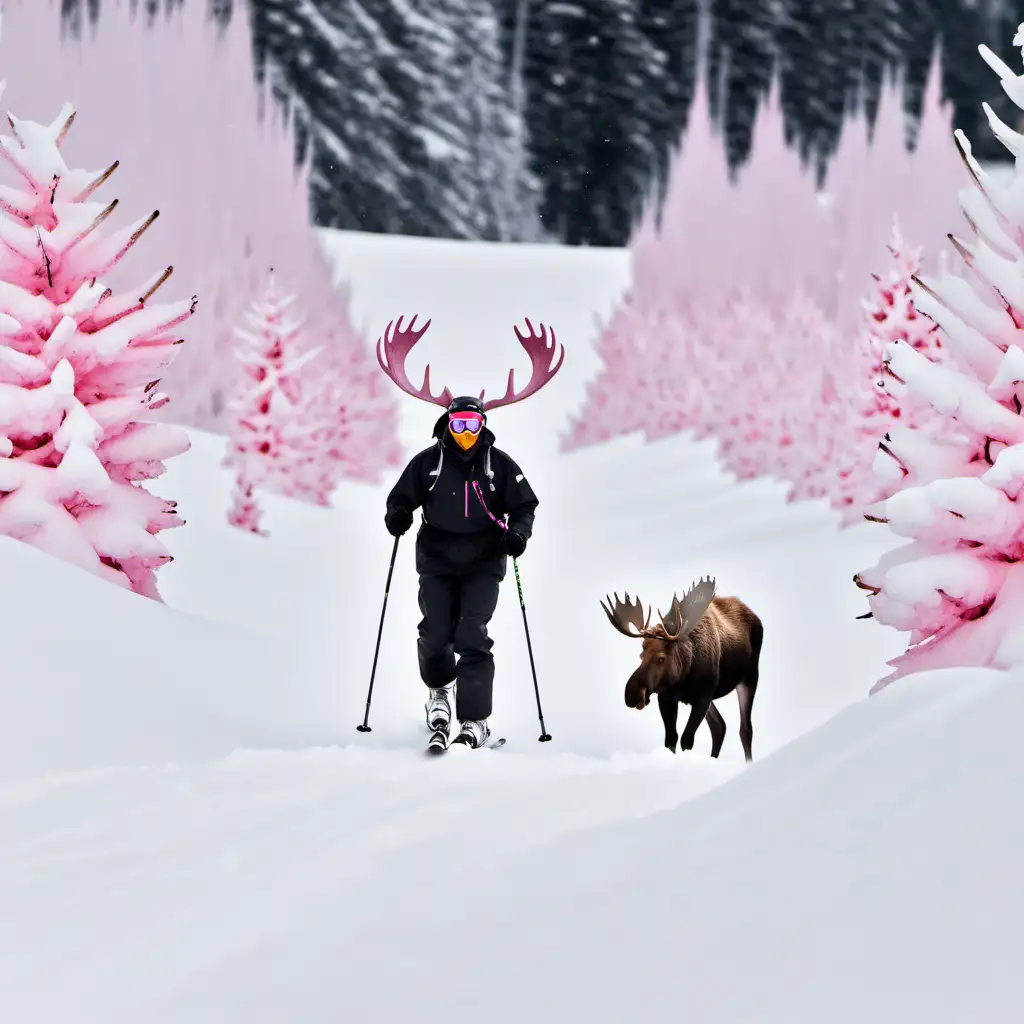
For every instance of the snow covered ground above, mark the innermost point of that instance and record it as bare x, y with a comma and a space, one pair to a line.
191, 829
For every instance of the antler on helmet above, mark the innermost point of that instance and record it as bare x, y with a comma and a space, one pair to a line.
397, 346
397, 342
540, 352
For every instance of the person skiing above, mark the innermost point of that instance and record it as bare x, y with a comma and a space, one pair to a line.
477, 508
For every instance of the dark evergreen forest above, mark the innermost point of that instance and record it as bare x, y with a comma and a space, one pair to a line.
554, 119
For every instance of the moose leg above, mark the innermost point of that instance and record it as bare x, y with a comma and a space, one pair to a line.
716, 723
745, 692
669, 708
698, 712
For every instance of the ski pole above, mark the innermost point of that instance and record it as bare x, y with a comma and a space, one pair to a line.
380, 630
544, 734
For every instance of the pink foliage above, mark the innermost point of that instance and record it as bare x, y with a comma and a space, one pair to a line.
869, 404
689, 227
775, 222
743, 318
245, 512
610, 409
873, 179
355, 432
79, 365
275, 441
807, 412
232, 197
957, 585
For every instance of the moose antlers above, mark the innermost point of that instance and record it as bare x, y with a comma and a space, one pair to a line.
541, 370
683, 616
397, 341
628, 614
396, 346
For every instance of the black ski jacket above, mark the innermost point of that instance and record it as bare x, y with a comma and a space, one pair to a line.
456, 534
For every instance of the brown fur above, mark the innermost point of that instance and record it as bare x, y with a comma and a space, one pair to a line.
720, 654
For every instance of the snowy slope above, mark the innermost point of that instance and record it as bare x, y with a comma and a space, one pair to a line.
867, 872
150, 874
94, 675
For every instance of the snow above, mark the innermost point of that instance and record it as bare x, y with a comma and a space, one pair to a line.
191, 829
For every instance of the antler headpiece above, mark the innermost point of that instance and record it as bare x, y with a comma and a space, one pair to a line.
395, 344
681, 619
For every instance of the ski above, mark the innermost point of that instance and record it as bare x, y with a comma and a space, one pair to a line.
492, 744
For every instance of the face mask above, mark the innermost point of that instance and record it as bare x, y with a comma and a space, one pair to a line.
465, 428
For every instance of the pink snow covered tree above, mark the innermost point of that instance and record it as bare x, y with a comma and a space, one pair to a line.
79, 365
800, 260
354, 433
868, 402
873, 178
234, 205
274, 440
245, 512
957, 586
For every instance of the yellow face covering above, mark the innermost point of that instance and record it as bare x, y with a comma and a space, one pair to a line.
465, 428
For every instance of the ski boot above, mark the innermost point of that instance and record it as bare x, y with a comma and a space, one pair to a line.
439, 710
473, 734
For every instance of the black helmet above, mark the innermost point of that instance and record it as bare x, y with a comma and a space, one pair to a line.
466, 403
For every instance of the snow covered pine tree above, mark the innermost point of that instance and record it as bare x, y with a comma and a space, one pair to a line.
79, 367
467, 531
869, 402
201, 92
958, 586
274, 441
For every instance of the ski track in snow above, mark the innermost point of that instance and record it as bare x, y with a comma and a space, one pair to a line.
103, 872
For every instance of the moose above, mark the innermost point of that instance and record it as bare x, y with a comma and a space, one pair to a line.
705, 648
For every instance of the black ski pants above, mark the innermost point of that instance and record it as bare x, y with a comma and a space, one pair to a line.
456, 609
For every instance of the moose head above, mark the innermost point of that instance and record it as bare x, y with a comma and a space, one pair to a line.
667, 654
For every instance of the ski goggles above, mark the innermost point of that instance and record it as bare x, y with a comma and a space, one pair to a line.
460, 424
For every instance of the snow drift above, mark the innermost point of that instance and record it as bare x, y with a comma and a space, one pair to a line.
95, 675
868, 871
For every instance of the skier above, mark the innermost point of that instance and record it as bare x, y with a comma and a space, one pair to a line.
477, 508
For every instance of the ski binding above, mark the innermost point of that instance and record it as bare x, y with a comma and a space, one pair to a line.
439, 743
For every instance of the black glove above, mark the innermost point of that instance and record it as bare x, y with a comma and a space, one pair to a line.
515, 543
398, 520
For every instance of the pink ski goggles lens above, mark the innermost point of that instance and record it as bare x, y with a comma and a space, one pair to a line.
460, 424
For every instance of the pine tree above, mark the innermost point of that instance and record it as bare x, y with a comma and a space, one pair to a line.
820, 84
594, 88
868, 402
836, 57
742, 60
475, 166
956, 27
957, 585
79, 365
673, 29
245, 512
343, 68
273, 437
233, 206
